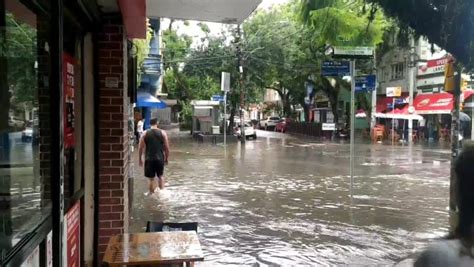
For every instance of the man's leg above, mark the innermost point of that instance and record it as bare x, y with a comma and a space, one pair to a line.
152, 185
161, 182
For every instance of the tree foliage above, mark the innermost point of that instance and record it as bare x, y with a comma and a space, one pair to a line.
446, 23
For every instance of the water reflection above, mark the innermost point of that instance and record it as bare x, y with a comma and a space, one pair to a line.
286, 201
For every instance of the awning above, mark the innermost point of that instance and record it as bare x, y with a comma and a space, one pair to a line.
135, 12
400, 114
146, 100
440, 103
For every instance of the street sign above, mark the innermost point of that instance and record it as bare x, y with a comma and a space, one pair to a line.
336, 68
351, 51
365, 83
394, 91
329, 127
396, 101
225, 82
219, 98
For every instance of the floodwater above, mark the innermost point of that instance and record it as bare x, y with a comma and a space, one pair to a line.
284, 201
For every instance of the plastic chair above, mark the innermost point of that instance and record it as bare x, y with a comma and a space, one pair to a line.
169, 227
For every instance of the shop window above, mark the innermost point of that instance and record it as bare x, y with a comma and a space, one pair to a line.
398, 71
24, 123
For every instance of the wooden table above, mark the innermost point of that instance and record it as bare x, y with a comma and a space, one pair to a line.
153, 249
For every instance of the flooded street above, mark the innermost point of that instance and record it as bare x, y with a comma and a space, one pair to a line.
285, 201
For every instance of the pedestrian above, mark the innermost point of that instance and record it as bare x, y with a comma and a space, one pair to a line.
458, 248
154, 143
139, 129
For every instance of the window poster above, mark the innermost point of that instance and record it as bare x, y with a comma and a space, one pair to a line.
68, 80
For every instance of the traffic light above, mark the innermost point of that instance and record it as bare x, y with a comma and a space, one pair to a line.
449, 80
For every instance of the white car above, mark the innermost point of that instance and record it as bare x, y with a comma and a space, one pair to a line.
27, 135
249, 131
270, 122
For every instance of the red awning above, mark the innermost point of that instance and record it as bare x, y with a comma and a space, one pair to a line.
134, 18
440, 103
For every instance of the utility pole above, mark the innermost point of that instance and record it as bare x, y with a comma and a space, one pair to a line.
455, 148
374, 94
412, 84
241, 83
352, 148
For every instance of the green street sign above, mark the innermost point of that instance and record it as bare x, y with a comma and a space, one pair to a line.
354, 51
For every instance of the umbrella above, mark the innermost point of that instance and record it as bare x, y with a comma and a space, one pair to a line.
464, 117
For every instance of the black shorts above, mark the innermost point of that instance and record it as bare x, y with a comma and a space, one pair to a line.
154, 168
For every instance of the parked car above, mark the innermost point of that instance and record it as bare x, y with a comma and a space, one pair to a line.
15, 124
269, 122
27, 135
282, 125
249, 131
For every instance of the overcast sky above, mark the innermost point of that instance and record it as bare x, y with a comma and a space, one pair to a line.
195, 31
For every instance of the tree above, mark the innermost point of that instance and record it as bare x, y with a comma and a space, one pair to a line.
342, 23
277, 55
18, 70
446, 23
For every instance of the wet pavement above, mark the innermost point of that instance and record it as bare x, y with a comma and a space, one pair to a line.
285, 201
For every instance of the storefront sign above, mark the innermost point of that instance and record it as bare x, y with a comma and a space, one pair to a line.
441, 103
329, 126
433, 66
73, 235
394, 91
68, 77
430, 81
336, 68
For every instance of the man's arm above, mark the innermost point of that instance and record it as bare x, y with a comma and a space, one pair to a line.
166, 146
141, 147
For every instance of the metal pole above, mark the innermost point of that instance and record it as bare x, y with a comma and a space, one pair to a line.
412, 84
374, 95
393, 120
353, 75
241, 83
455, 147
225, 118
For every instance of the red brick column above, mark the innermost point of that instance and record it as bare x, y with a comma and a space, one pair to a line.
113, 143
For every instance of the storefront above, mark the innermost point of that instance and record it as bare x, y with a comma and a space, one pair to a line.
436, 109
46, 82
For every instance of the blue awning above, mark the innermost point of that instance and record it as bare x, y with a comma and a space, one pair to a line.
146, 100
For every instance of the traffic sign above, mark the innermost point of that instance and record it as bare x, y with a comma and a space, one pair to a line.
336, 68
219, 98
225, 81
365, 83
354, 51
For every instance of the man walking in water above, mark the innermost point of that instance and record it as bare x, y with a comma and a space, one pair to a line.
156, 146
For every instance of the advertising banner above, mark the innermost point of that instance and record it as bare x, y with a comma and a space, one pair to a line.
73, 235
68, 80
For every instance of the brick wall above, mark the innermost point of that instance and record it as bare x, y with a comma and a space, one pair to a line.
113, 143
